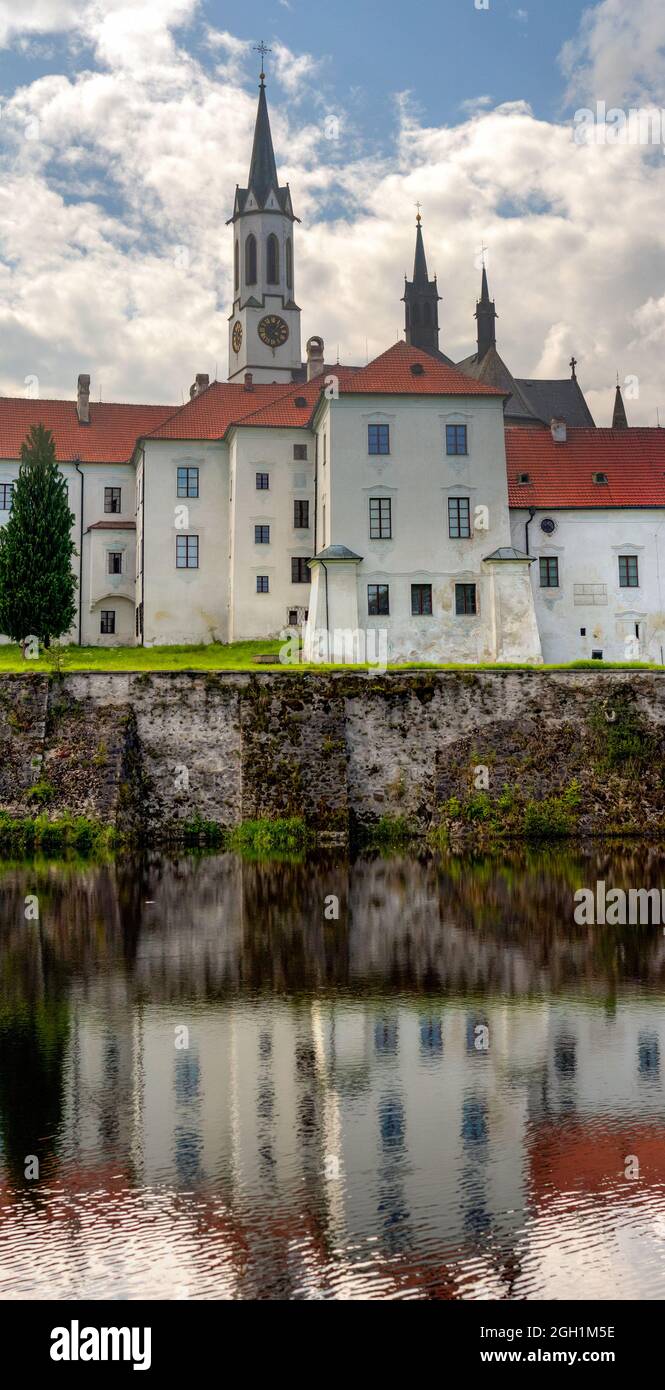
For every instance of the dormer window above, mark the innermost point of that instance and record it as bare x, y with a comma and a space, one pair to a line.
523, 478
599, 478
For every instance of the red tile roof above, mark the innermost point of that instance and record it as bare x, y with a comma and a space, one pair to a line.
391, 373
222, 404
561, 474
109, 438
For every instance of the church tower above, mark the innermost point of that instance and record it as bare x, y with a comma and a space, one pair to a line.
264, 326
421, 299
486, 319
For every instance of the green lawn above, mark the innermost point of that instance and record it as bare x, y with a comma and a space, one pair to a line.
241, 656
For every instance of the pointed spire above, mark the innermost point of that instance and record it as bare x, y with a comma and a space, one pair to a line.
421, 298
263, 169
485, 318
619, 419
420, 276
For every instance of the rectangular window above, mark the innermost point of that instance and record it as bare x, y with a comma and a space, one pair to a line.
262, 482
299, 570
459, 518
112, 499
300, 514
107, 623
188, 482
300, 451
378, 599
421, 599
628, 572
380, 519
465, 599
549, 572
6, 496
378, 439
456, 439
115, 562
262, 584
187, 552
262, 535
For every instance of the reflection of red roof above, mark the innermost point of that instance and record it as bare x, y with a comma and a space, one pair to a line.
584, 1157
561, 474
109, 438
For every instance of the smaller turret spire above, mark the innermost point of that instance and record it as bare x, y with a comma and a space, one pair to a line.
421, 298
619, 418
485, 317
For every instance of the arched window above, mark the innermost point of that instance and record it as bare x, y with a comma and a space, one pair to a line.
289, 263
250, 260
236, 266
273, 260
427, 313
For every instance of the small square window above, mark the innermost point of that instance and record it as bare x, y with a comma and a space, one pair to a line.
628, 572
187, 552
421, 599
107, 623
262, 584
300, 569
6, 496
115, 562
456, 440
188, 482
300, 515
582, 632
549, 572
596, 656
262, 535
378, 600
378, 439
465, 599
112, 498
262, 482
300, 451
380, 519
459, 518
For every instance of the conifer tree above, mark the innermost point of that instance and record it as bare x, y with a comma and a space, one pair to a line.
37, 583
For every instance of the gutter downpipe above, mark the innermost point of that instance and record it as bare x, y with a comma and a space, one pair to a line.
143, 546
80, 470
532, 513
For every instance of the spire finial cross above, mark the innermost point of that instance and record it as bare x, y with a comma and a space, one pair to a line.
573, 364
262, 49
418, 217
483, 249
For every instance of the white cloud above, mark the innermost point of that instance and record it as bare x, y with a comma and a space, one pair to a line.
618, 54
115, 257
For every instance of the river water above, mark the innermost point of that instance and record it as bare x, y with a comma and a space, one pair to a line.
387, 1078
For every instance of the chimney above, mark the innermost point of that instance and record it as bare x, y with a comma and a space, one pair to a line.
315, 362
201, 383
559, 431
83, 399
248, 381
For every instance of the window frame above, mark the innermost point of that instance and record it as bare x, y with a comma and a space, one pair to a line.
456, 505
299, 570
272, 259
187, 468
377, 595
263, 583
251, 259
301, 508
382, 504
111, 556
547, 563
421, 590
190, 542
464, 611
455, 431
629, 564
7, 489
109, 500
107, 615
260, 486
382, 434
259, 537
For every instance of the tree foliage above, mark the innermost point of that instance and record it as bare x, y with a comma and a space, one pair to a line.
37, 583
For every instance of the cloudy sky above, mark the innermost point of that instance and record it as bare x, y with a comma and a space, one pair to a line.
126, 124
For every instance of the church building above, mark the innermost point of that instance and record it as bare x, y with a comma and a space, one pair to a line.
427, 509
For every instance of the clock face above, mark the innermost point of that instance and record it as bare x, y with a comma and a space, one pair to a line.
236, 337
273, 331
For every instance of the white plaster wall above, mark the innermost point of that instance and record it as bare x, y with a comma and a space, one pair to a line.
587, 544
419, 477
185, 606
268, 451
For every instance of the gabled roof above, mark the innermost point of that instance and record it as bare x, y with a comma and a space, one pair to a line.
561, 474
557, 400
492, 370
110, 436
392, 374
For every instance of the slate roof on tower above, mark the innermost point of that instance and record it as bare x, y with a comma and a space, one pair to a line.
262, 180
